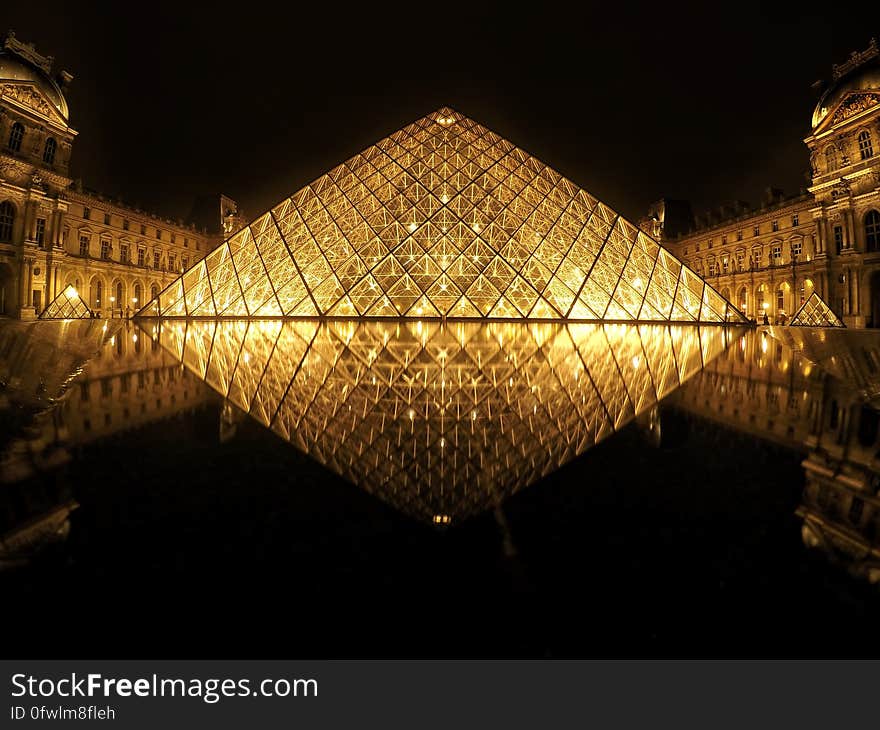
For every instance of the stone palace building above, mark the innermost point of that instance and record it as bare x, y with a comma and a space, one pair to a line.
826, 239
53, 232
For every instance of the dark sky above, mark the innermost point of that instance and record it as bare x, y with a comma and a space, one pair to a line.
172, 100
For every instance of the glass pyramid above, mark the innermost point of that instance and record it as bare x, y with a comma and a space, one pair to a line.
67, 305
815, 313
442, 219
441, 418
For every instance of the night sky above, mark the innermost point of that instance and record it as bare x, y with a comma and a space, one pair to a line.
172, 101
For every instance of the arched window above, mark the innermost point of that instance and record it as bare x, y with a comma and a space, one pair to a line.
49, 151
138, 300
830, 159
7, 218
742, 299
96, 293
780, 299
154, 291
872, 231
866, 148
120, 294
16, 136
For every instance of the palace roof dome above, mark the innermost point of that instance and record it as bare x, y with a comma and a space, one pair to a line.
860, 73
16, 69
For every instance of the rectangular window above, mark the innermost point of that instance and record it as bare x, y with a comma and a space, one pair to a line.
698, 248
186, 243
757, 231
710, 244
125, 224
106, 219
83, 245
723, 240
795, 220
838, 238
796, 247
173, 238
87, 212
158, 234
123, 252
105, 250
184, 262
739, 235
172, 259
155, 259
757, 258
142, 253
740, 260
776, 254
775, 226
143, 230
725, 265
41, 230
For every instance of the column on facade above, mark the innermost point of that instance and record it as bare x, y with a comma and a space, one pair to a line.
850, 230
849, 296
30, 218
58, 236
57, 286
23, 284
50, 279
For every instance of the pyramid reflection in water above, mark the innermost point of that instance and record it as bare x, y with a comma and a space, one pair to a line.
441, 420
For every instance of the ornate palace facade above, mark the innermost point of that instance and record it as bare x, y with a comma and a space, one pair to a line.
827, 239
53, 233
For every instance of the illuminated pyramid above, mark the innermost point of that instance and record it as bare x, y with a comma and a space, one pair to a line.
815, 313
443, 219
67, 305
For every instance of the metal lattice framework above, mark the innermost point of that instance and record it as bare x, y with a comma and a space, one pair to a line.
441, 419
67, 305
815, 313
443, 219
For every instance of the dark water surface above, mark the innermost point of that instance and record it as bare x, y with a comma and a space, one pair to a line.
522, 490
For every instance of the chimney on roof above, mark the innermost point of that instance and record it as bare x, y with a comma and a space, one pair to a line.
771, 196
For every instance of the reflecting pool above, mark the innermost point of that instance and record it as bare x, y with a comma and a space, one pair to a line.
434, 488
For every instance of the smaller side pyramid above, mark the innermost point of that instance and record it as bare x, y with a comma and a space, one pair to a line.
815, 313
67, 305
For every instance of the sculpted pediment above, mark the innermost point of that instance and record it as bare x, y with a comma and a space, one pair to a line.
852, 104
31, 97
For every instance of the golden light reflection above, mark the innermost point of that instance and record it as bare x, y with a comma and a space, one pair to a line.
441, 418
443, 219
